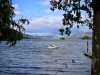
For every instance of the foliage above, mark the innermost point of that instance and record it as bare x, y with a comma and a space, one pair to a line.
61, 31
11, 30
73, 12
62, 38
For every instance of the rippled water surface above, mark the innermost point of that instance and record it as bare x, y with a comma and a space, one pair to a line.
32, 57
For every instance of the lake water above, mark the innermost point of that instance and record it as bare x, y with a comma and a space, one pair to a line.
32, 57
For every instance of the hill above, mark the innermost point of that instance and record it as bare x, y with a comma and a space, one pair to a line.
27, 36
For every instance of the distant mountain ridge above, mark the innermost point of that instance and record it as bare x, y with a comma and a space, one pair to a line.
80, 35
27, 36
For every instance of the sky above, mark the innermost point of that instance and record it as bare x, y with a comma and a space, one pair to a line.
42, 20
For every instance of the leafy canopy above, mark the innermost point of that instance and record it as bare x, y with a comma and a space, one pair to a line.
73, 13
10, 29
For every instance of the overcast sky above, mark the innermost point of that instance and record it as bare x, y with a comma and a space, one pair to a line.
43, 21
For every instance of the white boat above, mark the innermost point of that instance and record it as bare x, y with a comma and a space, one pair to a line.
52, 46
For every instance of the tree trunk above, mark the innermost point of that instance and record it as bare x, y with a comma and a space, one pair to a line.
95, 70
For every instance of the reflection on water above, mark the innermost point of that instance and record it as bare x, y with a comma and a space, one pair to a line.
32, 57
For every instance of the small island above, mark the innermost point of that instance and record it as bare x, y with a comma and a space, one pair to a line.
62, 38
86, 37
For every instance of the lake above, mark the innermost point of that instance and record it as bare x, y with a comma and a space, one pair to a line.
32, 57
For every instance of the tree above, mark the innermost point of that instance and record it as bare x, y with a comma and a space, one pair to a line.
10, 29
73, 15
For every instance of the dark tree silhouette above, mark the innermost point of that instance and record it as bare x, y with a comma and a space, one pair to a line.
10, 30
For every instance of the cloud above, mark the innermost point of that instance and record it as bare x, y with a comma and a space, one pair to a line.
47, 11
47, 21
45, 3
45, 24
16, 10
50, 25
18, 13
27, 11
15, 6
